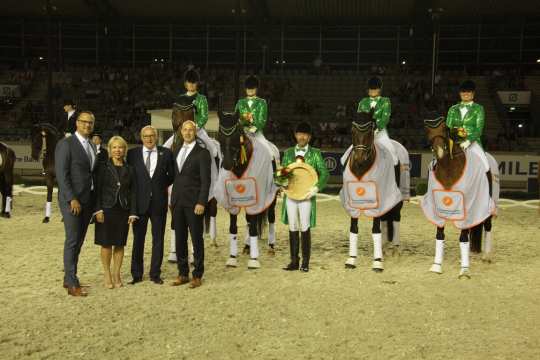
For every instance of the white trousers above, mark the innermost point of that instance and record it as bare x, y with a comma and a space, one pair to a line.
298, 214
477, 149
381, 138
259, 138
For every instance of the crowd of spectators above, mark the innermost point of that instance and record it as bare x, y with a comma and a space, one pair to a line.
121, 96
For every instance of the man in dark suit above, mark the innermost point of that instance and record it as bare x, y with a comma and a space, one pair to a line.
75, 161
101, 151
155, 172
69, 126
189, 196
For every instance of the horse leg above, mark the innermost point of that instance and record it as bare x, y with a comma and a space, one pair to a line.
212, 211
245, 250
395, 221
272, 228
172, 249
488, 241
377, 265
353, 244
439, 251
48, 204
464, 248
253, 262
233, 241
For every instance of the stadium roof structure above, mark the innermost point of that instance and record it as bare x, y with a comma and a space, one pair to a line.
348, 11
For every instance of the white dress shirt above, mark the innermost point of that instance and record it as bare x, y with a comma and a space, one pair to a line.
153, 158
186, 148
86, 145
70, 114
298, 152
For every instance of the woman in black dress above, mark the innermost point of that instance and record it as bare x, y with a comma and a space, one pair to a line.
115, 208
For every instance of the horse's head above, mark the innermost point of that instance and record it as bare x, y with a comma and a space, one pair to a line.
362, 137
438, 136
232, 140
44, 138
182, 110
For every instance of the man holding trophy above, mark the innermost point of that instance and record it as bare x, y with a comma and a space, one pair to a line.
302, 176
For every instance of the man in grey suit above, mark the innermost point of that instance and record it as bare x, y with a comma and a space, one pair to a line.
75, 160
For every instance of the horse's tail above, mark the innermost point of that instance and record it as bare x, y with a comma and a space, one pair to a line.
476, 238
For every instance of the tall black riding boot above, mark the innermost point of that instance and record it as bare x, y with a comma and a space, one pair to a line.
294, 245
306, 249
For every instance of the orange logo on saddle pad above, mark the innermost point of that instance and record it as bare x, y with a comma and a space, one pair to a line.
240, 188
360, 191
447, 200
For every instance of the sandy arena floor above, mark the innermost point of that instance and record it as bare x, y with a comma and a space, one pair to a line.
329, 313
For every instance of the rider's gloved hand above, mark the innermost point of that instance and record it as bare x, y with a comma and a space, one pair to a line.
312, 192
465, 144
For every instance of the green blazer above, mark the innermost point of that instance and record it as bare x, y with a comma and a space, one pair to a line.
258, 109
383, 110
201, 115
472, 122
314, 158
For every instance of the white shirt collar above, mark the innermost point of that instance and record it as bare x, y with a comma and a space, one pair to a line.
81, 138
297, 148
190, 146
145, 149
70, 113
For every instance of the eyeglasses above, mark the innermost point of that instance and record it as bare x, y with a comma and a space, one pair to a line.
86, 122
148, 136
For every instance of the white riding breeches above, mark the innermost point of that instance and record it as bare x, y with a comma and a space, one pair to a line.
259, 137
298, 210
382, 138
477, 149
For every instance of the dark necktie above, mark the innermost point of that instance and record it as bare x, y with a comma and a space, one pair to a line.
147, 161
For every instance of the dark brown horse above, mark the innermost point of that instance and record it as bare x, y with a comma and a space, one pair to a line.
448, 169
361, 159
44, 139
7, 162
237, 150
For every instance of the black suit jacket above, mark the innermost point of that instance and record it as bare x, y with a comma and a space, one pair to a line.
152, 190
73, 171
192, 184
116, 187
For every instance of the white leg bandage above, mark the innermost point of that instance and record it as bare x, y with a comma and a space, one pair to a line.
212, 228
439, 251
464, 250
271, 234
48, 207
395, 236
253, 247
377, 246
353, 245
233, 245
8, 204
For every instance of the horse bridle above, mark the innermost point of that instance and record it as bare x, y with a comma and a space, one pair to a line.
435, 123
228, 132
363, 128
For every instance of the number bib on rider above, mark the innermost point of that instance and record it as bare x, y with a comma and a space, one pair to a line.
363, 194
241, 192
449, 205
